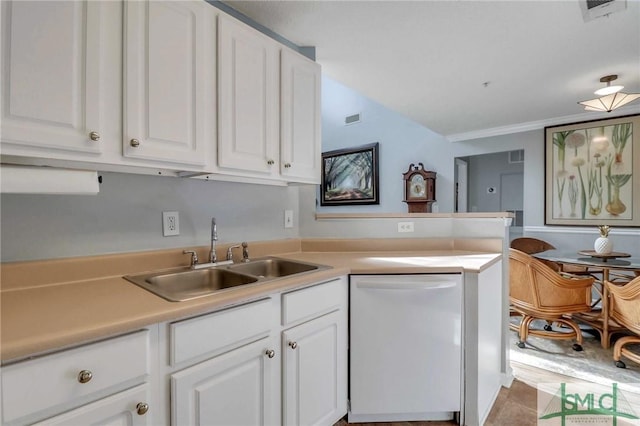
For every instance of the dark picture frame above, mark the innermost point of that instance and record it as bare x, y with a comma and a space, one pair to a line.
592, 173
350, 176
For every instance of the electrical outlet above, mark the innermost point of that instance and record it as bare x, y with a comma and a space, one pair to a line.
288, 218
405, 226
170, 224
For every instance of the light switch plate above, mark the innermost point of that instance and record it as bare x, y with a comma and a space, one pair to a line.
288, 218
170, 224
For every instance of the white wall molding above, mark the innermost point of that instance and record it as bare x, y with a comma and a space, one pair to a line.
579, 230
539, 124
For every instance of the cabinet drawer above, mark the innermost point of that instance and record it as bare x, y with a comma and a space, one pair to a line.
219, 331
42, 383
313, 301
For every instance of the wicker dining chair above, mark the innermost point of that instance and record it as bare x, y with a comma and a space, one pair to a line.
624, 308
536, 291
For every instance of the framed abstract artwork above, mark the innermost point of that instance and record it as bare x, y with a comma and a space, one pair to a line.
592, 173
350, 176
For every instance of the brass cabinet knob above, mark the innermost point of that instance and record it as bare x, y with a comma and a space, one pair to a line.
287, 165
270, 162
94, 136
134, 143
142, 408
270, 353
293, 345
85, 376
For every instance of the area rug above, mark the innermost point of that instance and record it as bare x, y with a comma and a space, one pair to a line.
593, 364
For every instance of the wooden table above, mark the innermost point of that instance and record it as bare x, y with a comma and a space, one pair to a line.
616, 261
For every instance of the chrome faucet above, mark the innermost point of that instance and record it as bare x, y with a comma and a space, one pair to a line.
214, 237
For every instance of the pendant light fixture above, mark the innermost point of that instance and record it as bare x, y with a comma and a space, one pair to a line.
610, 98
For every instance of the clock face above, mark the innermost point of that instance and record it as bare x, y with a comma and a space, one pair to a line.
417, 186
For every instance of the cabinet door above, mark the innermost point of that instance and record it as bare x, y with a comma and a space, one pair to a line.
315, 374
168, 80
239, 387
300, 113
128, 408
248, 101
51, 83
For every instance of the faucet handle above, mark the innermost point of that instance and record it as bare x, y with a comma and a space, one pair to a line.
245, 251
194, 257
230, 251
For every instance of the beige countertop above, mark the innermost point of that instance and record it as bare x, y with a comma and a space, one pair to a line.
40, 314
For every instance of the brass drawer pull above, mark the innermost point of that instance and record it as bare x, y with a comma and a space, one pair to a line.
142, 408
85, 376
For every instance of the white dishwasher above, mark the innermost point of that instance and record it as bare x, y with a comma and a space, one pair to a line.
405, 347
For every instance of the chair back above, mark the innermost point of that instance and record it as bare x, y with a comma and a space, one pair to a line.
625, 304
530, 245
538, 290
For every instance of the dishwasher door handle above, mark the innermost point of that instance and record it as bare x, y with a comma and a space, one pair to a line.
406, 285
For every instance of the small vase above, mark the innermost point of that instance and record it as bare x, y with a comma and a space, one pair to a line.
603, 245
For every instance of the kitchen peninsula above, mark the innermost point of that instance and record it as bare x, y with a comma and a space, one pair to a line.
49, 306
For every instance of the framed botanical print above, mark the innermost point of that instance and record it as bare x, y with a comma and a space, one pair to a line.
592, 173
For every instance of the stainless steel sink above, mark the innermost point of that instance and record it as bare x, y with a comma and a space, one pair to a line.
273, 267
185, 284
189, 284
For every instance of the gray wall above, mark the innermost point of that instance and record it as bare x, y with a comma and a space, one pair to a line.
564, 238
402, 142
127, 216
486, 171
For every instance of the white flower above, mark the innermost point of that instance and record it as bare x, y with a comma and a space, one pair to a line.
562, 174
600, 143
577, 162
574, 140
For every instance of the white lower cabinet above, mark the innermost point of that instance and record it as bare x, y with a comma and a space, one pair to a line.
314, 371
286, 366
100, 383
125, 408
239, 387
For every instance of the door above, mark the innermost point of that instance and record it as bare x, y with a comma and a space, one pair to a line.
239, 388
248, 99
168, 81
300, 114
127, 408
51, 82
315, 375
461, 185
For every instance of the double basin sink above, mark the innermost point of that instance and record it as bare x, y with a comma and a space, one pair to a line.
182, 284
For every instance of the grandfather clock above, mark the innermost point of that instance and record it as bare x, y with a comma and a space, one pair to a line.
419, 189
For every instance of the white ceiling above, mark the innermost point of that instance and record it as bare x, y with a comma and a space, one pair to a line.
431, 60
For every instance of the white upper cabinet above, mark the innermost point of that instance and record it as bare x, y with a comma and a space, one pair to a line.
169, 81
51, 76
248, 99
300, 118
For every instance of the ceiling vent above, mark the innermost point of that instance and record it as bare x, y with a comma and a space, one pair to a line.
516, 156
592, 9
